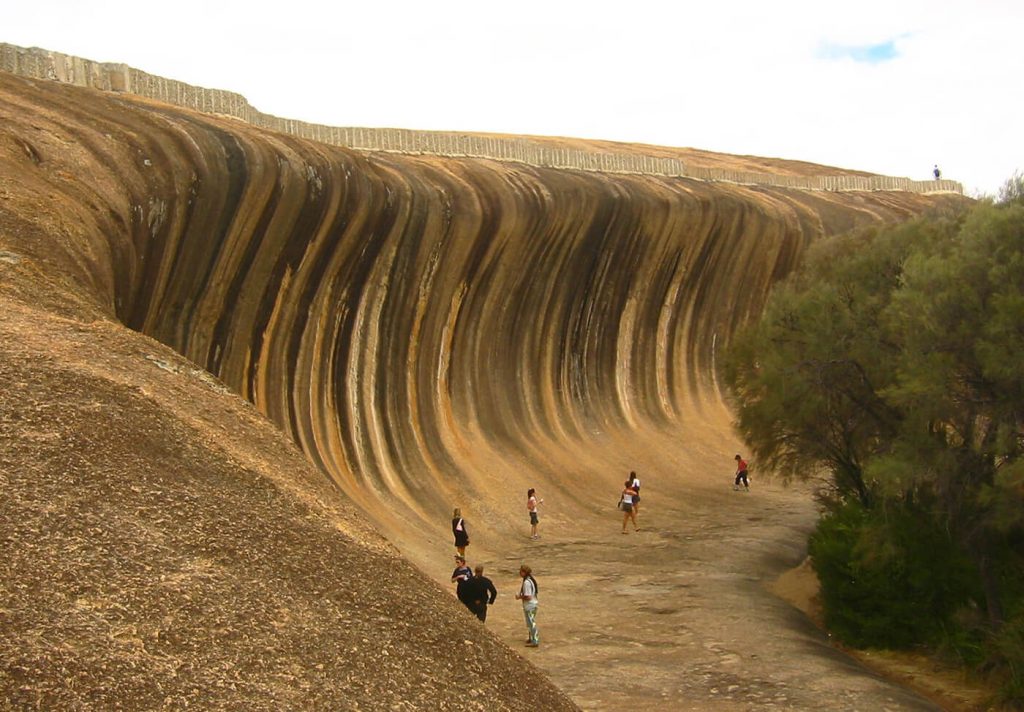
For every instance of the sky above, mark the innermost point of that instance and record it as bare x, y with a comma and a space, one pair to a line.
887, 86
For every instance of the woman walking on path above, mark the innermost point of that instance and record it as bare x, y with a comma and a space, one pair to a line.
460, 531
531, 507
628, 511
528, 595
634, 482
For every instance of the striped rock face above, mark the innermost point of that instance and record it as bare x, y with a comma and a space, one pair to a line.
427, 332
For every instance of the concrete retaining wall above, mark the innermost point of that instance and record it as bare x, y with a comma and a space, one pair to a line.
36, 63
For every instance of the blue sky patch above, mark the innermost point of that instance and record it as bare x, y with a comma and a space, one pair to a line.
865, 54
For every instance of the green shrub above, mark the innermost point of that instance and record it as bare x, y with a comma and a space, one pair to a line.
1009, 665
888, 579
1006, 649
964, 642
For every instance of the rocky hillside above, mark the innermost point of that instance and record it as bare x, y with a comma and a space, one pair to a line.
405, 333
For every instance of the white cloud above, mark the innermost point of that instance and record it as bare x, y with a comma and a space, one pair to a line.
733, 76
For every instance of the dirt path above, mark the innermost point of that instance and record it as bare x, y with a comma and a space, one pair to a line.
679, 616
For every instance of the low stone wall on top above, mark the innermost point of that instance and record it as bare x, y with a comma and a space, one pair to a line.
37, 63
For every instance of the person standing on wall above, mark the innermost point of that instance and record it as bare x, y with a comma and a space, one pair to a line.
531, 507
937, 173
460, 531
741, 475
528, 595
481, 593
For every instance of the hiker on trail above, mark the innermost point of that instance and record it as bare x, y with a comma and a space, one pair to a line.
634, 482
741, 474
481, 593
531, 507
626, 504
461, 577
528, 595
937, 173
460, 531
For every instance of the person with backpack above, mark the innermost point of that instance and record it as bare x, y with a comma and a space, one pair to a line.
528, 595
460, 532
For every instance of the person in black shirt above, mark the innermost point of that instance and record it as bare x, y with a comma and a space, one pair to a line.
461, 577
480, 593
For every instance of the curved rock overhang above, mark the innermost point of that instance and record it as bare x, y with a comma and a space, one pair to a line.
397, 316
428, 331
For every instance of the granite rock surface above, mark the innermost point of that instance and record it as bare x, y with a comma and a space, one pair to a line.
246, 377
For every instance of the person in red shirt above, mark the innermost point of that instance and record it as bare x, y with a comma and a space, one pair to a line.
741, 474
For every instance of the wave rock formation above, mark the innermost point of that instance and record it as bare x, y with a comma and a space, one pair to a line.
427, 330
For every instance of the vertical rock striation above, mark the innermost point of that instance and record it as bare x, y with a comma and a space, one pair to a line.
427, 330
396, 314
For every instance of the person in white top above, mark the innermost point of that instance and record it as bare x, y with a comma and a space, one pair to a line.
531, 507
528, 595
634, 482
628, 511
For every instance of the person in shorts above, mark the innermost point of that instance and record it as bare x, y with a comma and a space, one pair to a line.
628, 510
531, 507
634, 482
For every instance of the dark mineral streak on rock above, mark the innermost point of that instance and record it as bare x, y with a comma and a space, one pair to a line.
303, 273
426, 330
163, 545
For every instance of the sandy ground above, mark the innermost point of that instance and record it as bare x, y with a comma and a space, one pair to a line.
681, 615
